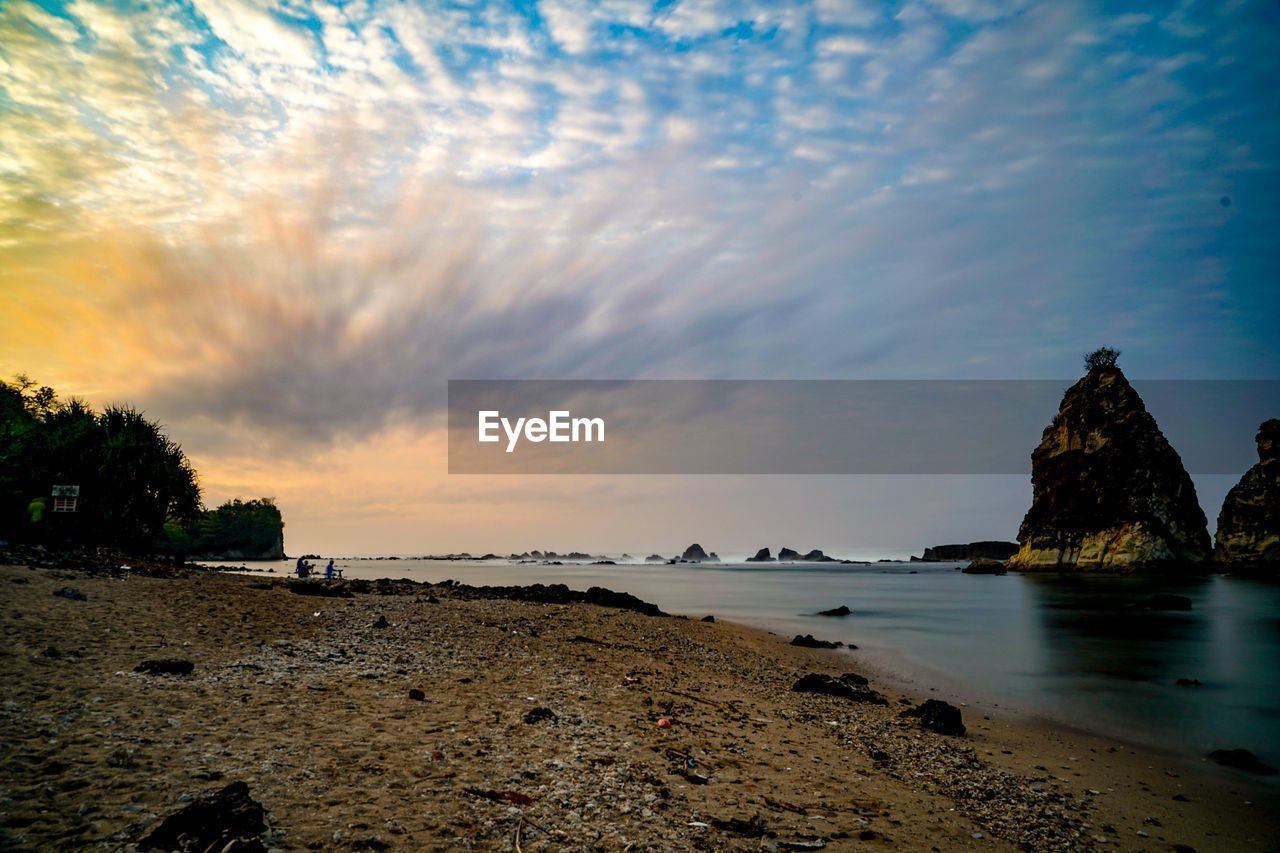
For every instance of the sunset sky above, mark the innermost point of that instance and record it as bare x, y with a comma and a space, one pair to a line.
280, 227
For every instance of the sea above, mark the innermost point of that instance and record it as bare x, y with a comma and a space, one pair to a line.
1071, 650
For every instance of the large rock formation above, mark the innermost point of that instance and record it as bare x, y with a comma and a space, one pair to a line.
987, 550
1249, 524
1109, 493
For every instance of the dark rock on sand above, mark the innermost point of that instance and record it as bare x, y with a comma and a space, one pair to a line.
708, 618
937, 716
808, 642
1109, 492
1242, 759
417, 695
382, 622
319, 588
1249, 524
70, 594
225, 820
842, 610
985, 567
985, 550
762, 556
788, 554
1163, 601
537, 715
165, 666
848, 686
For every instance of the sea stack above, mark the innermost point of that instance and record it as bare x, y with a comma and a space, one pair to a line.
1109, 492
1249, 524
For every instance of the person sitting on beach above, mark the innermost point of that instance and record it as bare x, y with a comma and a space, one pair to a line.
304, 568
328, 570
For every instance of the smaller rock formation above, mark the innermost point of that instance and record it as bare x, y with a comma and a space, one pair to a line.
938, 716
1249, 523
842, 610
985, 567
655, 558
809, 642
695, 554
1242, 759
165, 666
762, 556
785, 553
986, 550
816, 556
848, 686
226, 820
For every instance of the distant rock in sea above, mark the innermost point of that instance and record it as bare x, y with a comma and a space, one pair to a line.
1109, 492
655, 558
788, 554
1249, 524
816, 556
986, 550
762, 556
695, 554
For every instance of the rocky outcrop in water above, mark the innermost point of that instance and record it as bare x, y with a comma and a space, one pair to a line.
1109, 492
695, 554
963, 552
762, 556
1249, 524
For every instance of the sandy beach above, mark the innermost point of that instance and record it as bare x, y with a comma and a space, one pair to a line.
420, 717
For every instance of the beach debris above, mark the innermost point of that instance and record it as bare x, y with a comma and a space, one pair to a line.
695, 698
70, 594
513, 797
165, 666
629, 679
937, 716
224, 820
810, 844
848, 686
842, 610
785, 806
537, 715
663, 723
1242, 759
318, 588
754, 828
417, 695
807, 641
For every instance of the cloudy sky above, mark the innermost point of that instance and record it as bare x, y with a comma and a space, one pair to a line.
281, 227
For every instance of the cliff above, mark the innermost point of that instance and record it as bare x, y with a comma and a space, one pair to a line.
1249, 524
987, 550
1109, 492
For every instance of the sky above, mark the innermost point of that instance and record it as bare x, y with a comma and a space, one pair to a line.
280, 228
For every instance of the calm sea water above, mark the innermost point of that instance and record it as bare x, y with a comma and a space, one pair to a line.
1065, 648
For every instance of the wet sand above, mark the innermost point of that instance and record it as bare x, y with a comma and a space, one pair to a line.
309, 703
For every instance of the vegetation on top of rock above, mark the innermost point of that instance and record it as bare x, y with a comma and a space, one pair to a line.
1101, 357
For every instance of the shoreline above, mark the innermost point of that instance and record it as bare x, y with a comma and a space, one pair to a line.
297, 682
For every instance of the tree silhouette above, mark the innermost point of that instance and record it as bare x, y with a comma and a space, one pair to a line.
1101, 357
